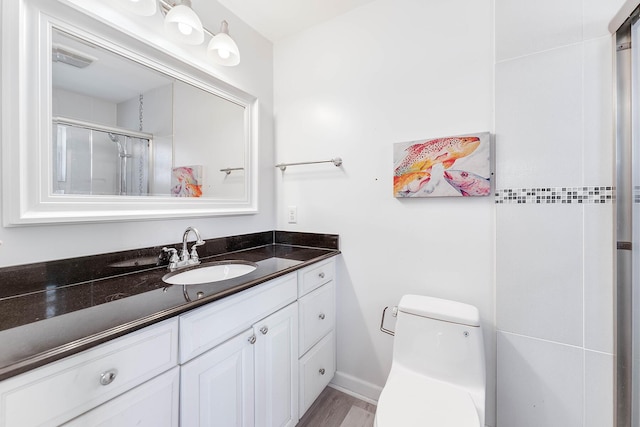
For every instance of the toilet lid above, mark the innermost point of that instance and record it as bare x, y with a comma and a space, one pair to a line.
410, 400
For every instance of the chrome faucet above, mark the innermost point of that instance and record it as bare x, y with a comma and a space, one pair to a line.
186, 259
184, 255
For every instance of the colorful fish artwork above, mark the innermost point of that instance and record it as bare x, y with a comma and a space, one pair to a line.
410, 182
421, 167
468, 183
186, 181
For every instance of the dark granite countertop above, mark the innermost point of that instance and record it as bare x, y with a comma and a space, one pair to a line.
51, 310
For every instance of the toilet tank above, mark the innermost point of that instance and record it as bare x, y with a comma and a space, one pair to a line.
441, 339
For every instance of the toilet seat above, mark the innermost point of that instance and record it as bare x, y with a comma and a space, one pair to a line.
411, 400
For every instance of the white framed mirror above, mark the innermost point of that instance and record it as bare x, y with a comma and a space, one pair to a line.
101, 126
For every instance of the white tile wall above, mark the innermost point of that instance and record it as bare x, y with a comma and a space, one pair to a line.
598, 151
524, 27
597, 14
71, 104
598, 378
540, 383
539, 269
554, 273
598, 273
539, 119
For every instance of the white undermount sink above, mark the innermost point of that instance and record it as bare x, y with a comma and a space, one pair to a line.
210, 272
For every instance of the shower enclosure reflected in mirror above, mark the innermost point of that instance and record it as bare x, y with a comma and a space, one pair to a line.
93, 161
101, 124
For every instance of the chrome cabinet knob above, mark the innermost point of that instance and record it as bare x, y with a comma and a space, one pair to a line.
107, 377
252, 339
321, 371
321, 275
264, 330
321, 316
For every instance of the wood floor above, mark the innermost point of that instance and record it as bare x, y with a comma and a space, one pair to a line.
336, 409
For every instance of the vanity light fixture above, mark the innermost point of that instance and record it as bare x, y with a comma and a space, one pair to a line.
183, 25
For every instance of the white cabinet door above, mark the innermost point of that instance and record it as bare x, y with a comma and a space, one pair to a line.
237, 384
277, 369
152, 404
217, 388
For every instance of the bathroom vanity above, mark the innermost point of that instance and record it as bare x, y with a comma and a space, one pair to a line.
251, 351
103, 339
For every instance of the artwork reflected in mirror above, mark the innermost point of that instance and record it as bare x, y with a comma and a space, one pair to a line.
187, 181
122, 128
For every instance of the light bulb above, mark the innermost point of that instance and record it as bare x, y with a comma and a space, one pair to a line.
183, 24
222, 49
184, 28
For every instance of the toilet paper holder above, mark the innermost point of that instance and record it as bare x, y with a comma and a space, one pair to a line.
394, 313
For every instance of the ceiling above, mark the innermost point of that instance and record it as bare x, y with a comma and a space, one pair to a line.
276, 19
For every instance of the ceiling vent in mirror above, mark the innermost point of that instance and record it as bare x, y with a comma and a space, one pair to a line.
70, 56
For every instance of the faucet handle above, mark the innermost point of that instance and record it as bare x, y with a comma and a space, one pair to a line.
198, 242
173, 254
194, 254
173, 259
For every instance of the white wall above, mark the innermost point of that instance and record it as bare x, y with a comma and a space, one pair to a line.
390, 71
554, 285
212, 131
254, 75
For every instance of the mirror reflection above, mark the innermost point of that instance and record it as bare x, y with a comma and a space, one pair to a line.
121, 128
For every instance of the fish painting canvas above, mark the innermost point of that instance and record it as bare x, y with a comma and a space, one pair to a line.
186, 181
458, 166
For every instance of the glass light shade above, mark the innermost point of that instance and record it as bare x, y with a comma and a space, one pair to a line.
183, 25
140, 7
222, 49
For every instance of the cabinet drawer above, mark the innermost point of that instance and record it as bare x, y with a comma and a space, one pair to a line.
65, 389
208, 326
316, 316
315, 275
152, 404
317, 367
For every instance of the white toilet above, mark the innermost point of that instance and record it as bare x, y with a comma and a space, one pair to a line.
437, 376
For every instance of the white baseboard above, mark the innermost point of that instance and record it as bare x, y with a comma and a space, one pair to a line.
356, 387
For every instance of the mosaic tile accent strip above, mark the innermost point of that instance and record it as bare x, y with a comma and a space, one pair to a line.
556, 195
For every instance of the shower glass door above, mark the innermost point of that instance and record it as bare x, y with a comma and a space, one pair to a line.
99, 162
